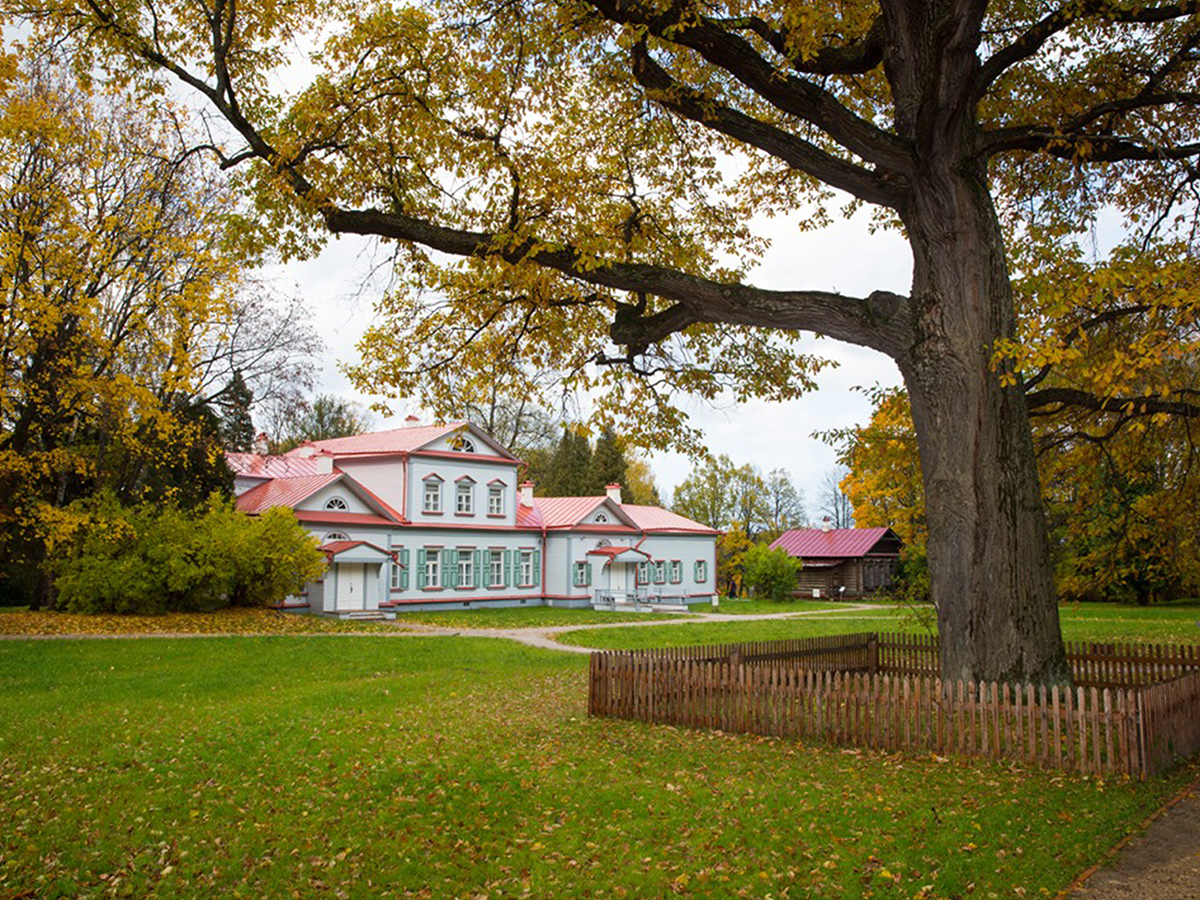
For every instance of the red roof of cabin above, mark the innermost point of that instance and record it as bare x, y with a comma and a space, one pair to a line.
844, 543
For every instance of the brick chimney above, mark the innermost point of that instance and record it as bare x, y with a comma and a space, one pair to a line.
826, 524
411, 420
526, 488
613, 491
262, 444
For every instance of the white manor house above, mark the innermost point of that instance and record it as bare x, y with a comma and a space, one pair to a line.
431, 517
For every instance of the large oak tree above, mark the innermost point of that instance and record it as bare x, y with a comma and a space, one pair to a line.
594, 164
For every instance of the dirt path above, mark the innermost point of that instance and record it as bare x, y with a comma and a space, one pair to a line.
544, 635
1162, 863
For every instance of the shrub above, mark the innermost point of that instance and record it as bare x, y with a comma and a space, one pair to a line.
771, 573
109, 558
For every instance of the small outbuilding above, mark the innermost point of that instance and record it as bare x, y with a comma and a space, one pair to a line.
842, 562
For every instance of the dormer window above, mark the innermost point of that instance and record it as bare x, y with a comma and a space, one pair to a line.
432, 497
495, 500
337, 504
464, 498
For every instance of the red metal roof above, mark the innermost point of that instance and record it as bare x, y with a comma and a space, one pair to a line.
329, 517
612, 552
253, 465
283, 492
398, 440
815, 543
333, 548
655, 518
528, 516
563, 512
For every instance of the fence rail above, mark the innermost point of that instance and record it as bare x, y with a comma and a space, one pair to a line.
877, 691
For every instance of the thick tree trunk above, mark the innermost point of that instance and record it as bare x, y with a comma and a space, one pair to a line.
988, 553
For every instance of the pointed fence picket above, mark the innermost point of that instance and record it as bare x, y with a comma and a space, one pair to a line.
1134, 709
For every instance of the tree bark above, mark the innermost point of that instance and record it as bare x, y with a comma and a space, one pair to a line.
988, 553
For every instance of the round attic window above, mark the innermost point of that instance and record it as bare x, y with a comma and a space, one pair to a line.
336, 503
336, 536
601, 517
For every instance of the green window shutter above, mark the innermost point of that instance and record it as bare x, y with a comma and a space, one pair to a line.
588, 571
421, 567
537, 567
508, 566
478, 568
404, 571
450, 568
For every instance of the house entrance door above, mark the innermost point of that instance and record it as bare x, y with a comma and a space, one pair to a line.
351, 584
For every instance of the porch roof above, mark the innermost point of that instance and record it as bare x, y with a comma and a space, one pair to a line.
614, 552
356, 551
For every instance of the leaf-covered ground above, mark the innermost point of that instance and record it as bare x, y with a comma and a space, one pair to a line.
455, 768
225, 621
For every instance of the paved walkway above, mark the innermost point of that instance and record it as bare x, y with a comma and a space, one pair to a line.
1163, 863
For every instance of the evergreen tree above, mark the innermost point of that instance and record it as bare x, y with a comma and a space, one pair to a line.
567, 474
237, 428
608, 464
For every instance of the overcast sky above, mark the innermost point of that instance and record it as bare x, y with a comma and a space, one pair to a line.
843, 257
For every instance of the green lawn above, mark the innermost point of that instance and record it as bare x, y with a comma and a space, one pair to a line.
843, 622
528, 617
1169, 623
749, 607
455, 768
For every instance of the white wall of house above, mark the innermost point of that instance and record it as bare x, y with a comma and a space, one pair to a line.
383, 477
339, 490
407, 586
451, 470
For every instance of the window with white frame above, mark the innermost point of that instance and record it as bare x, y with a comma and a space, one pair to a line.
495, 499
643, 572
676, 571
462, 444
601, 518
337, 504
433, 568
466, 568
660, 572
701, 571
526, 567
432, 502
336, 536
582, 574
496, 568
395, 585
464, 498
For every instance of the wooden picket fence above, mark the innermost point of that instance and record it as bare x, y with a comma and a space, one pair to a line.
876, 691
